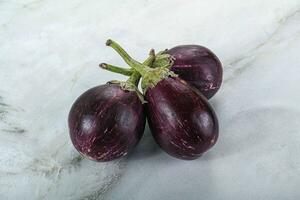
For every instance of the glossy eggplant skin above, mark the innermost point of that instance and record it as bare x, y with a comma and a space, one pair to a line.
106, 122
198, 66
180, 118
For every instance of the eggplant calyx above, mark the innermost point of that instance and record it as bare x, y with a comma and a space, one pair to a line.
129, 86
163, 60
151, 78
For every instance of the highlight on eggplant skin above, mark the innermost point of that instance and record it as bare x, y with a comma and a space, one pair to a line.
180, 118
199, 66
106, 122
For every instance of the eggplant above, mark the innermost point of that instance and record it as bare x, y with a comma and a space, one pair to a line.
199, 66
180, 118
106, 122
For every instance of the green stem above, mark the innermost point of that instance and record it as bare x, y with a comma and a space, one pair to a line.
115, 69
125, 71
140, 68
136, 76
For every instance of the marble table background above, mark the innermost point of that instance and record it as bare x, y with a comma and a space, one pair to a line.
49, 55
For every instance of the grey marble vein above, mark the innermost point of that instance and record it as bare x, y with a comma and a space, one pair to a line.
241, 63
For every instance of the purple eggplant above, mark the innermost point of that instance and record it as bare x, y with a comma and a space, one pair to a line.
106, 122
180, 118
198, 66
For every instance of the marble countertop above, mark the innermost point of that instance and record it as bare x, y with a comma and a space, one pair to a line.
49, 55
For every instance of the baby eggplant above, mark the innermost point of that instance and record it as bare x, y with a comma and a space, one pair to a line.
199, 66
180, 118
106, 122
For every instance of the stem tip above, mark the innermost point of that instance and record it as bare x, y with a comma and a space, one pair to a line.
103, 65
108, 42
152, 52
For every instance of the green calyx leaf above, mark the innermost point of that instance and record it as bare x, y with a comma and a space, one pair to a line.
163, 60
153, 76
129, 86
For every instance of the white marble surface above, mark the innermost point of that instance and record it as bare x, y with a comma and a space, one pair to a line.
49, 53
